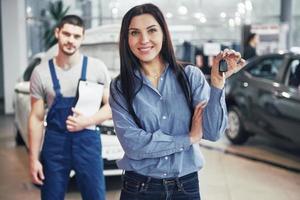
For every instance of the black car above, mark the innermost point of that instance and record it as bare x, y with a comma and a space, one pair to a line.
264, 98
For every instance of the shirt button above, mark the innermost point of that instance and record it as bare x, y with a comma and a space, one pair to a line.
161, 98
165, 174
161, 79
181, 149
164, 117
166, 158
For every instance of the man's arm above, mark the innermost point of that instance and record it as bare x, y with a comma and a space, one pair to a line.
80, 122
35, 130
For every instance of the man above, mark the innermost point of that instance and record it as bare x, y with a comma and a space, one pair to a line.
67, 143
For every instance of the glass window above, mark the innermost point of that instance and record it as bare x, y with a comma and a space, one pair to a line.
267, 68
294, 73
30, 68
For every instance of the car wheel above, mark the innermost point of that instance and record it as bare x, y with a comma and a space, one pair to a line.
235, 131
19, 139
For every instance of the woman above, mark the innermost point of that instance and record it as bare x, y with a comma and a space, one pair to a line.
162, 110
250, 47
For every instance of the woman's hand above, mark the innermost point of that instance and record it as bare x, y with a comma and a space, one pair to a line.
235, 63
196, 132
77, 122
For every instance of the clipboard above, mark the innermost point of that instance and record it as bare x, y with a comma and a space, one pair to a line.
88, 98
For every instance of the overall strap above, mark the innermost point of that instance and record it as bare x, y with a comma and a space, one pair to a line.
84, 66
55, 81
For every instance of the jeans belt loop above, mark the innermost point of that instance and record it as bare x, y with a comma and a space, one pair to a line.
144, 185
178, 183
148, 179
122, 179
122, 175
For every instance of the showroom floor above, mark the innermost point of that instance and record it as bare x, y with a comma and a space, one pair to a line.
258, 170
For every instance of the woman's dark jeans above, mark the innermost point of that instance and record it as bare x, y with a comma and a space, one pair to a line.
139, 187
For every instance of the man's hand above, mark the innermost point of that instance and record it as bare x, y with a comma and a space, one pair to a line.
35, 137
77, 122
36, 172
196, 132
235, 63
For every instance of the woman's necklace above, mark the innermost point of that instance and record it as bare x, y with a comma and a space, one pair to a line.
155, 76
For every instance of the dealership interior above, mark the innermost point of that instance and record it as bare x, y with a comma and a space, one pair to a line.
257, 157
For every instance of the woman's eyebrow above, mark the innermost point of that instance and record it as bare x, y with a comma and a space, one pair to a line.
151, 26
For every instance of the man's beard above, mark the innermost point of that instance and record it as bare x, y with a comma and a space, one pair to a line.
66, 52
69, 53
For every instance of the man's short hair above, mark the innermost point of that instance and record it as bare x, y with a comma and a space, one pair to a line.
71, 19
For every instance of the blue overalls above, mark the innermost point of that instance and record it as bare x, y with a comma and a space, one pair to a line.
63, 151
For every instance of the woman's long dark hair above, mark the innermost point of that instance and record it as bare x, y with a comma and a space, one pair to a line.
129, 82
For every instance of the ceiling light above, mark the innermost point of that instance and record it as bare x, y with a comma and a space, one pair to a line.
114, 11
248, 5
29, 11
237, 21
182, 10
241, 8
231, 22
198, 15
222, 14
203, 19
169, 15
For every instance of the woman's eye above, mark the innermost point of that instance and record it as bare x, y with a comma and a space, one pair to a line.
152, 30
133, 33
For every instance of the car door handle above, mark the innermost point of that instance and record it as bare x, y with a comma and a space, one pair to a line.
280, 94
245, 84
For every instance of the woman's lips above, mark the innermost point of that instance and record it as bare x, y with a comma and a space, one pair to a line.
145, 49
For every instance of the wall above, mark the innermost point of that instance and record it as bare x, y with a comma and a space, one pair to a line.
1, 63
14, 46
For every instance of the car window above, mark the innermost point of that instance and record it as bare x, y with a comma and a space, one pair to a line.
267, 68
294, 73
30, 68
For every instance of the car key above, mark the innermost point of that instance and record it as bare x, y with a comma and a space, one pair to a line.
223, 66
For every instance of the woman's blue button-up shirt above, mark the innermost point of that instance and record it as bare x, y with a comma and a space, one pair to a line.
162, 148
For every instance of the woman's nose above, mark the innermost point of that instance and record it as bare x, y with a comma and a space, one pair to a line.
144, 38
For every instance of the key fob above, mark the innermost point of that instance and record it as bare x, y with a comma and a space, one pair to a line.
223, 66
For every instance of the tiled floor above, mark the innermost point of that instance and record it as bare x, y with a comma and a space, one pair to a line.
227, 175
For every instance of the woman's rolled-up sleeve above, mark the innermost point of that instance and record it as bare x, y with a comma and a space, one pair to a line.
215, 113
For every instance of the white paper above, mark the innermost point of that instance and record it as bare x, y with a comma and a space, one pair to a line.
89, 99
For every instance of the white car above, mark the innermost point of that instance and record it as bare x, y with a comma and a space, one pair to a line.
100, 42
